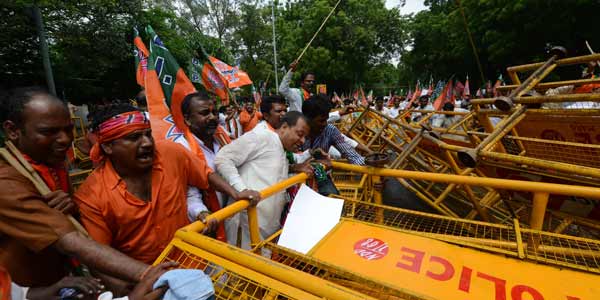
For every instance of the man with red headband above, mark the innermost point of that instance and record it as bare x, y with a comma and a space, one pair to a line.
36, 238
136, 199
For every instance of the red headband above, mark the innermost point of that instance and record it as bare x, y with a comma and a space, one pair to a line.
117, 127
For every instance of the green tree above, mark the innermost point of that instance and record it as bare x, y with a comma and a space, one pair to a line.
505, 33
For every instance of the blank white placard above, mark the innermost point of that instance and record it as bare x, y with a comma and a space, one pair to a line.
311, 217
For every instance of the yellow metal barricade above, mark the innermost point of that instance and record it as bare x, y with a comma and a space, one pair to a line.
286, 274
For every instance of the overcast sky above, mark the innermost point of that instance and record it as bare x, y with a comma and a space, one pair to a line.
412, 6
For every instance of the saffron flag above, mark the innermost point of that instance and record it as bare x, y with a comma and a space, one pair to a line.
204, 72
363, 98
437, 91
166, 86
234, 77
443, 96
466, 91
140, 53
415, 96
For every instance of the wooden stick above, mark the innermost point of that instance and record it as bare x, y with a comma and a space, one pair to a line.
23, 167
318, 30
591, 51
34, 176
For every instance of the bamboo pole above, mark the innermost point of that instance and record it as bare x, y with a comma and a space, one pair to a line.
13, 156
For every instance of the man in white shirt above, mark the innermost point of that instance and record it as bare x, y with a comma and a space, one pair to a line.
258, 160
446, 121
379, 105
394, 111
423, 105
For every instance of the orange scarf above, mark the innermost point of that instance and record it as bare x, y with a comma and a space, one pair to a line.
305, 94
56, 177
4, 284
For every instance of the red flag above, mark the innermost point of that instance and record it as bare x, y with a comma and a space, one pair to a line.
459, 88
141, 58
364, 99
466, 91
234, 77
415, 96
478, 93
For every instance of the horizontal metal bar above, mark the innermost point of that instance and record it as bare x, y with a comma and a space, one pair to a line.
306, 282
550, 85
545, 99
560, 62
515, 185
239, 206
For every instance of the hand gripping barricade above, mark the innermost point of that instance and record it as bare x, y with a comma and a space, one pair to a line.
419, 253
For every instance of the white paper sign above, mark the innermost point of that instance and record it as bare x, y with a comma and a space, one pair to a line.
311, 217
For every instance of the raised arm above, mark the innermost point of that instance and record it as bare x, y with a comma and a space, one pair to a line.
284, 87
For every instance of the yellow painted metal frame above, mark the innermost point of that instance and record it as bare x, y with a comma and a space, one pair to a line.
294, 281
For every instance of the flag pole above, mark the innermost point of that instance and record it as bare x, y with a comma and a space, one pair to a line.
274, 46
39, 25
318, 30
591, 51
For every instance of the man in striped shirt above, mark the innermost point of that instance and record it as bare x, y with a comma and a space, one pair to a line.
323, 135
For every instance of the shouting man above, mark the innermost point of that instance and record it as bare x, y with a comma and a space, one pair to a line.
136, 199
36, 238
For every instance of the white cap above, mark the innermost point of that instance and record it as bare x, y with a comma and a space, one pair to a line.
425, 92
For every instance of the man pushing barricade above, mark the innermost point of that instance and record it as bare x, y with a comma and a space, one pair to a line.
256, 161
36, 237
136, 199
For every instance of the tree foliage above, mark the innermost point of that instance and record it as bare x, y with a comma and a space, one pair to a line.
363, 43
505, 33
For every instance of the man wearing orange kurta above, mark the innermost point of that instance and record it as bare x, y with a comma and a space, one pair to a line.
249, 117
136, 199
